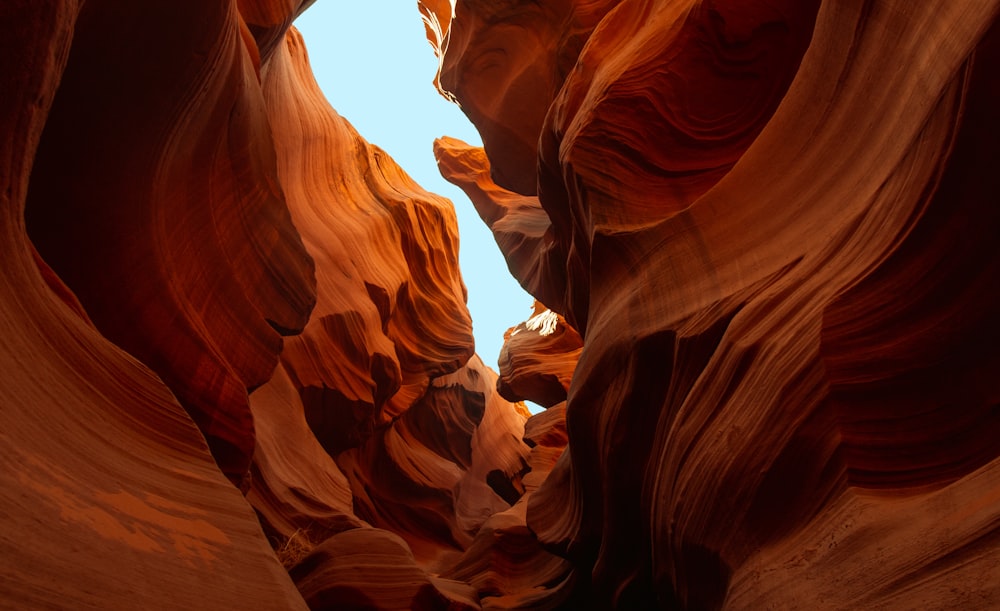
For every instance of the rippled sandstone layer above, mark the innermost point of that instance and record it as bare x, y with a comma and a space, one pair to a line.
229, 282
109, 496
761, 234
772, 223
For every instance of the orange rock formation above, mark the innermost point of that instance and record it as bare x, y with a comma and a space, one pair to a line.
762, 240
109, 497
383, 378
773, 225
294, 295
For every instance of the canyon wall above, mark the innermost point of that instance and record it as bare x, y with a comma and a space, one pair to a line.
238, 368
214, 285
110, 497
773, 224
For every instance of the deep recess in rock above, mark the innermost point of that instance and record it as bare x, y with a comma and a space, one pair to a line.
762, 240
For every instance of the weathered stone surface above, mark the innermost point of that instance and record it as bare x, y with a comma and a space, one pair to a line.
520, 226
176, 144
391, 309
373, 569
382, 380
297, 488
538, 358
268, 21
771, 223
444, 467
108, 495
506, 563
155, 197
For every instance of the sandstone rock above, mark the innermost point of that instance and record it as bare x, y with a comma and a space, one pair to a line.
373, 569
506, 562
520, 226
383, 379
162, 202
391, 309
538, 358
297, 488
505, 63
268, 21
510, 570
109, 497
443, 467
786, 373
766, 232
155, 197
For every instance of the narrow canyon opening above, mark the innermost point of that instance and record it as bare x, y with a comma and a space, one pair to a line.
741, 263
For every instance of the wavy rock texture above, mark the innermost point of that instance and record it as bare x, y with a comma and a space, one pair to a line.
391, 309
374, 569
445, 466
297, 488
109, 497
268, 21
538, 358
506, 564
773, 225
194, 200
382, 380
520, 226
161, 165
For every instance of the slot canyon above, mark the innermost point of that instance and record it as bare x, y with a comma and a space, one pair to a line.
762, 236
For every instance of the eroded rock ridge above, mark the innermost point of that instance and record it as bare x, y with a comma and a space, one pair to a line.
772, 225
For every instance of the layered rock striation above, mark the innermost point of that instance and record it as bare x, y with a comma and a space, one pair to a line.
382, 379
155, 197
210, 275
109, 496
238, 369
772, 225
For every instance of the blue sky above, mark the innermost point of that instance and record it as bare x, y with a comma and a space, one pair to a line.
376, 68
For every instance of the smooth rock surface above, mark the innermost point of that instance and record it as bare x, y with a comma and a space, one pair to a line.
538, 358
155, 197
772, 224
109, 497
195, 200
762, 236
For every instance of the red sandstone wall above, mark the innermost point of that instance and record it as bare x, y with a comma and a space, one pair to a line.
294, 295
762, 238
773, 226
109, 496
